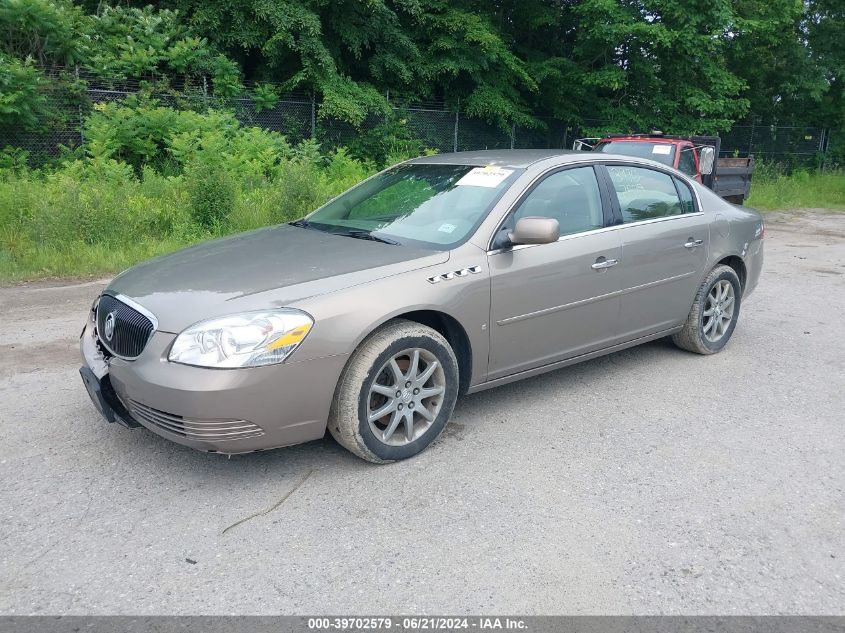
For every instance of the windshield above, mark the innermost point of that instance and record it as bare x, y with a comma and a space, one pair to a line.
661, 152
433, 206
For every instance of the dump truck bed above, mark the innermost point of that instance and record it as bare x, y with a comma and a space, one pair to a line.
732, 180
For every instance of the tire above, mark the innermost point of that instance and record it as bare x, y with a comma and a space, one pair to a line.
697, 334
370, 383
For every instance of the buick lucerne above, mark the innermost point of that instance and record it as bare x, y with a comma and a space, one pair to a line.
440, 276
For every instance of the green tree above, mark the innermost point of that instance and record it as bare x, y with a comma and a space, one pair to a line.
681, 65
50, 32
825, 29
354, 53
768, 49
22, 100
633, 64
130, 42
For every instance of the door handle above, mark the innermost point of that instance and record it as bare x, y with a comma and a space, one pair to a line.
604, 263
693, 243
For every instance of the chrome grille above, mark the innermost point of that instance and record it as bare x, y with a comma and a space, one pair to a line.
193, 429
130, 329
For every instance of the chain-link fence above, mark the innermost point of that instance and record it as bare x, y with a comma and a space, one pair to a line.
438, 126
792, 146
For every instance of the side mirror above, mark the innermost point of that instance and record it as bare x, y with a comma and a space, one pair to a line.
535, 231
706, 160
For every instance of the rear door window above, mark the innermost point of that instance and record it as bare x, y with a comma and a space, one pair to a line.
643, 193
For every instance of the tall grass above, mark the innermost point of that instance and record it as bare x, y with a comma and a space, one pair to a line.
99, 217
801, 189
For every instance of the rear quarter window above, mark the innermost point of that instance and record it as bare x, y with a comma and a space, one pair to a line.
685, 194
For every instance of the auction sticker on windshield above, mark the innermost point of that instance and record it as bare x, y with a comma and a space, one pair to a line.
490, 176
662, 149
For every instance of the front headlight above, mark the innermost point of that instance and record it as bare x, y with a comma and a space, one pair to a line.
250, 339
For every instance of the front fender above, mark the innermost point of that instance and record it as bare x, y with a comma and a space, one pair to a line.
343, 319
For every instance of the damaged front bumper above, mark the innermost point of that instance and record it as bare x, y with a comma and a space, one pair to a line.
95, 377
225, 411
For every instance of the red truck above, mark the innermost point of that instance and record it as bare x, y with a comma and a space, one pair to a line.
695, 156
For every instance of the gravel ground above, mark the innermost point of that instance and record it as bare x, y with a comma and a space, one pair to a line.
649, 481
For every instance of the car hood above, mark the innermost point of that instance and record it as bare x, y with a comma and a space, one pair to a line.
271, 267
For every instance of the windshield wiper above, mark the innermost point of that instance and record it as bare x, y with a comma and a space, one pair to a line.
358, 234
366, 235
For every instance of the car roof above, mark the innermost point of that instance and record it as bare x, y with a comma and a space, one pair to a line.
505, 157
522, 158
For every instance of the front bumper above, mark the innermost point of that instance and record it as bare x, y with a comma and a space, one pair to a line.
219, 410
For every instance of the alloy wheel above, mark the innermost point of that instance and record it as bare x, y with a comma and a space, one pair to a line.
718, 311
408, 393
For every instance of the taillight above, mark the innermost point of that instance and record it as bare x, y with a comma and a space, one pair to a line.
760, 233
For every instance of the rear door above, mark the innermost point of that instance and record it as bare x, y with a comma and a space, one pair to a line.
555, 301
665, 239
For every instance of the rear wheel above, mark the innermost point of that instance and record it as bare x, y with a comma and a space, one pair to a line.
714, 313
396, 393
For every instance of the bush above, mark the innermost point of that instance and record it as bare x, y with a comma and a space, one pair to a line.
145, 42
248, 153
390, 138
152, 180
143, 133
212, 195
13, 159
265, 97
22, 100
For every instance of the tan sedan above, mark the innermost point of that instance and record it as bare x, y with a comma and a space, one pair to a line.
443, 275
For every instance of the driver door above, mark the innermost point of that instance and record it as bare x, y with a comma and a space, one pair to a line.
554, 301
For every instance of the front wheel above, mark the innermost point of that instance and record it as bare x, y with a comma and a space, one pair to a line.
396, 393
714, 313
